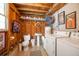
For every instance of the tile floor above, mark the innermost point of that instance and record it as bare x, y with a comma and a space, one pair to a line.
27, 51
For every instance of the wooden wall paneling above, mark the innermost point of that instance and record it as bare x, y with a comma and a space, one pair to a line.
10, 24
24, 28
18, 35
38, 27
21, 33
12, 16
43, 28
33, 28
28, 27
13, 7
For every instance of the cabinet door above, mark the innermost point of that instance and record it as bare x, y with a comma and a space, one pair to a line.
43, 28
38, 27
33, 28
28, 27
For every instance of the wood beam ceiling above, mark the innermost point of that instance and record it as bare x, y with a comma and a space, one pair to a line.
27, 9
38, 8
56, 7
40, 5
33, 8
32, 13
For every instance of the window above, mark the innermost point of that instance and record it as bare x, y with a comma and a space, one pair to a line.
2, 17
2, 7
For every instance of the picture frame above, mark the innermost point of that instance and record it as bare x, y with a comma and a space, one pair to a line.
61, 18
71, 20
2, 40
15, 26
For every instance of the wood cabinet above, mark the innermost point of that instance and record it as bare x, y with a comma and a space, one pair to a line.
28, 27
33, 27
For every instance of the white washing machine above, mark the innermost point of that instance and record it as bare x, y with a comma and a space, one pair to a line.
49, 42
67, 47
49, 45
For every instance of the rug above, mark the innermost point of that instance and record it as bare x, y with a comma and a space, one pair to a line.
36, 53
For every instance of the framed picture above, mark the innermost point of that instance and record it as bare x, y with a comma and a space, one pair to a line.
61, 18
15, 27
71, 21
2, 40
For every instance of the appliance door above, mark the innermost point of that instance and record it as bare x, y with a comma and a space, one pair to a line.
50, 46
65, 48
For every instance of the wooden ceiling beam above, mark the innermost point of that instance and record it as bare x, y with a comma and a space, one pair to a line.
37, 8
55, 7
28, 6
33, 13
22, 14
42, 5
27, 9
14, 8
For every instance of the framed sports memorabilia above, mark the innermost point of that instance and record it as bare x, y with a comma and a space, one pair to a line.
61, 18
71, 21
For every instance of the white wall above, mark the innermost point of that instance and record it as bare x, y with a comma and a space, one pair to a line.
68, 8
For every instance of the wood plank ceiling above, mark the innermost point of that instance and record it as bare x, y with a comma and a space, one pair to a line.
38, 9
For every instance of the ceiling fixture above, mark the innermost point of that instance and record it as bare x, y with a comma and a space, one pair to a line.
31, 18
